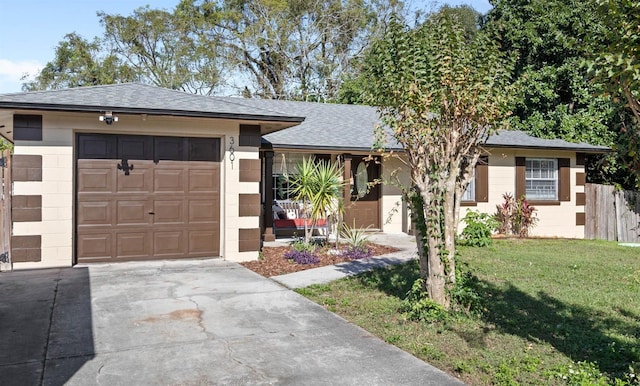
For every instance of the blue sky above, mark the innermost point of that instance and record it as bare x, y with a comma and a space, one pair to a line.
31, 29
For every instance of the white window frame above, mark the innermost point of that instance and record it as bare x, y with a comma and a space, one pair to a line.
542, 172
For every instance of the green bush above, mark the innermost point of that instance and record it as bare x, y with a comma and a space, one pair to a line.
479, 228
300, 245
464, 294
417, 305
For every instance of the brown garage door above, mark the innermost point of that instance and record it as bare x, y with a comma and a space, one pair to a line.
143, 197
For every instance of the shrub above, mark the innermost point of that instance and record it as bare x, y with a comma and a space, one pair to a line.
525, 218
515, 216
356, 253
300, 245
355, 237
477, 232
464, 294
302, 252
302, 257
504, 214
419, 307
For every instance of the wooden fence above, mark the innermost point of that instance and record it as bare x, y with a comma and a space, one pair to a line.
5, 211
612, 215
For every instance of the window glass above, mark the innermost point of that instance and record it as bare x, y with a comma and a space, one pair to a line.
362, 179
541, 179
470, 193
281, 188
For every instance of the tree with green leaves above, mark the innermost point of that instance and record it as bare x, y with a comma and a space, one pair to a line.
441, 95
553, 43
287, 49
163, 49
79, 62
618, 68
318, 187
150, 46
354, 82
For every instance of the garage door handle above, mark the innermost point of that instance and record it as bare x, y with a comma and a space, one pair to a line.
152, 212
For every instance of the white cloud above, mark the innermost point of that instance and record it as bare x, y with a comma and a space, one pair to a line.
11, 74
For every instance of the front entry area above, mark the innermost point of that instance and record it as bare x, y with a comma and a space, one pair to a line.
146, 197
363, 210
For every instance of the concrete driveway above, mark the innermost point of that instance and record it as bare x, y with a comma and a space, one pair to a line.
183, 323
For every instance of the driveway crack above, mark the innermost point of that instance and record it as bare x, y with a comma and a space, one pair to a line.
46, 345
230, 355
199, 318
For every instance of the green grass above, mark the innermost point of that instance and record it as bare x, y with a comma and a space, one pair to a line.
554, 312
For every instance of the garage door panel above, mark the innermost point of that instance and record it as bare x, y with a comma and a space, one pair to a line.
170, 148
95, 212
97, 146
97, 179
204, 181
202, 211
139, 180
169, 181
135, 147
133, 212
96, 246
133, 244
169, 212
169, 243
203, 242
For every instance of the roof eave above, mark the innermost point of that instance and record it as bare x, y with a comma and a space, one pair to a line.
130, 110
341, 149
560, 148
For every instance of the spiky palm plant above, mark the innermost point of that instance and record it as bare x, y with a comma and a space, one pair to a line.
318, 187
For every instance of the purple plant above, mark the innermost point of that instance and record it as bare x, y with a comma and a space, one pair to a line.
356, 253
302, 257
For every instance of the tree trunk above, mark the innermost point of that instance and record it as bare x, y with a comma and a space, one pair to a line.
432, 267
450, 229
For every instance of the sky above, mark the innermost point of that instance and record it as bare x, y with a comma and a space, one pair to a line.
31, 29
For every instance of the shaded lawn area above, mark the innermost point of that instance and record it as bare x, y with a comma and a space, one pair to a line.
555, 312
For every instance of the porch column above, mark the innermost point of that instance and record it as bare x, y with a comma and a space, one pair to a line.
268, 234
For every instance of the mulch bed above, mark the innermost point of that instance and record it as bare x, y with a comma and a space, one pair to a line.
273, 262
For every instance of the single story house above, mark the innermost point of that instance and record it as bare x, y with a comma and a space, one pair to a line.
135, 172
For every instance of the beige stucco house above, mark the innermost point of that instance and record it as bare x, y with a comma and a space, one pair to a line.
135, 172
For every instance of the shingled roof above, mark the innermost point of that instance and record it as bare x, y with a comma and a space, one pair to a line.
139, 98
323, 126
350, 127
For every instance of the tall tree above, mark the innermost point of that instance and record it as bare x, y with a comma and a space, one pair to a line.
289, 49
354, 83
618, 67
442, 95
79, 62
552, 39
553, 42
163, 48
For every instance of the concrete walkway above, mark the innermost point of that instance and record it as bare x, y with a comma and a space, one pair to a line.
197, 322
322, 275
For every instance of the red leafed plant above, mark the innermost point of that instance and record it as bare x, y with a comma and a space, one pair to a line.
516, 217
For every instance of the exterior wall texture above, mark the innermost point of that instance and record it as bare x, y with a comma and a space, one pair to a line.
557, 219
56, 227
554, 220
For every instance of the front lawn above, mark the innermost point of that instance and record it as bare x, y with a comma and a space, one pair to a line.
555, 312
